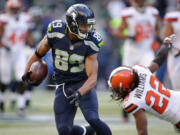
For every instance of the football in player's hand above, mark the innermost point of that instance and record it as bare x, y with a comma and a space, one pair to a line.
38, 71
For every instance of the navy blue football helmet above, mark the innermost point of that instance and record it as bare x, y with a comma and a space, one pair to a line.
80, 14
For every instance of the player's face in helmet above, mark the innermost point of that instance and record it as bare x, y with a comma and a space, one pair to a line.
80, 20
14, 10
139, 5
84, 29
121, 81
13, 6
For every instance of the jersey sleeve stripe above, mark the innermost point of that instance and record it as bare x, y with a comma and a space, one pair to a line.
55, 35
92, 45
170, 19
130, 108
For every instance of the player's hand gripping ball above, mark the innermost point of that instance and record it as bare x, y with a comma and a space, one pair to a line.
37, 73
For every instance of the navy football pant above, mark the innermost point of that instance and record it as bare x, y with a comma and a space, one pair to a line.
65, 112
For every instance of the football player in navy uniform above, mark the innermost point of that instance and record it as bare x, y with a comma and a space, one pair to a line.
75, 46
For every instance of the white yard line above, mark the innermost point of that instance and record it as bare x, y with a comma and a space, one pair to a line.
42, 118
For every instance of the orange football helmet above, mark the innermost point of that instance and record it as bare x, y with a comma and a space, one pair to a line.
121, 81
13, 4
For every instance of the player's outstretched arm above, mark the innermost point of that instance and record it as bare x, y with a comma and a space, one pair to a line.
141, 122
162, 54
91, 66
41, 50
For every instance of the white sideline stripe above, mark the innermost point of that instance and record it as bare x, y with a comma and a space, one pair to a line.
92, 45
55, 35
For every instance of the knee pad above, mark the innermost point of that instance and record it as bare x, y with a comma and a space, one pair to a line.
63, 130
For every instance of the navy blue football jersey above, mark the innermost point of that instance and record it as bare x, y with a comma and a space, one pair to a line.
68, 57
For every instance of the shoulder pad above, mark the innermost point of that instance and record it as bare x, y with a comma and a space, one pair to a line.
56, 29
153, 10
94, 40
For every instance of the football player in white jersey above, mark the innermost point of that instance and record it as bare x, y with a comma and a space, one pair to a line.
172, 25
14, 32
142, 23
140, 91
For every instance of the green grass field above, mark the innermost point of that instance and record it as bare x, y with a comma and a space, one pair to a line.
39, 119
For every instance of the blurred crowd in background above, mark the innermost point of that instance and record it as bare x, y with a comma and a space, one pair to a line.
107, 14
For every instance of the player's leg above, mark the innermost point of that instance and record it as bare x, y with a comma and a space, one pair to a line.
20, 63
2, 96
89, 108
13, 89
28, 95
5, 75
64, 113
82, 130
